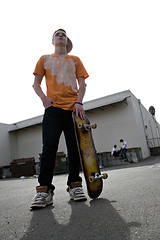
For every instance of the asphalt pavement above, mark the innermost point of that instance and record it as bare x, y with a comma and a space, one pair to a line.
127, 209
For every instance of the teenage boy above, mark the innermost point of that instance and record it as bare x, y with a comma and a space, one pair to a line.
62, 73
115, 151
123, 149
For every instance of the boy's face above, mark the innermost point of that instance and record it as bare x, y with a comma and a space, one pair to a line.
60, 38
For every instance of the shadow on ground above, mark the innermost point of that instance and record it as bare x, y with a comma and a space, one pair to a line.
98, 220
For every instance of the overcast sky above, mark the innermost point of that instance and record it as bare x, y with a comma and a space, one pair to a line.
117, 41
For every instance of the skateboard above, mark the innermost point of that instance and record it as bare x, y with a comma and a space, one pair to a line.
87, 153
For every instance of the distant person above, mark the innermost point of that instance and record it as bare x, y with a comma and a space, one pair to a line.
65, 80
123, 149
115, 151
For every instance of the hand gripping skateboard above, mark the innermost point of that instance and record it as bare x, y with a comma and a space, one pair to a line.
87, 153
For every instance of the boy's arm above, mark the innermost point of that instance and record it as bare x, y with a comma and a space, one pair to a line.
47, 102
82, 89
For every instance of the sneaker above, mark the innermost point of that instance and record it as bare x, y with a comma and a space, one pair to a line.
76, 192
43, 197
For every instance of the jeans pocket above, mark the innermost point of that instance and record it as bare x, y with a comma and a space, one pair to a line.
47, 109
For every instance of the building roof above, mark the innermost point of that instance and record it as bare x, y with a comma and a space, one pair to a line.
89, 105
99, 103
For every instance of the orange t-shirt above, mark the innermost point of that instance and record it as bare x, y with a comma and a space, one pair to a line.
61, 78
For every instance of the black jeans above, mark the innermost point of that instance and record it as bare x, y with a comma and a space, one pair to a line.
56, 120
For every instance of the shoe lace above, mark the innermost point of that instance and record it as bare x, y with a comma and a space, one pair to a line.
78, 190
40, 196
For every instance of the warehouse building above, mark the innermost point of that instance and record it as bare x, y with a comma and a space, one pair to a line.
118, 116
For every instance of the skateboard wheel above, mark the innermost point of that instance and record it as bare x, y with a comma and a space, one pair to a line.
93, 125
80, 125
105, 175
86, 127
91, 178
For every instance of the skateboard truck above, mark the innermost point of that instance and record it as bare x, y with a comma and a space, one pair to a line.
87, 126
95, 176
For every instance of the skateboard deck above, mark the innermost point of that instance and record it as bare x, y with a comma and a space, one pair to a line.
87, 153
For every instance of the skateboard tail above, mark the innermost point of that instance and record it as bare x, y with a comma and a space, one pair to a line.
90, 166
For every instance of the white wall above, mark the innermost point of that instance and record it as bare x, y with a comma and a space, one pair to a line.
114, 123
5, 157
152, 128
27, 142
140, 127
